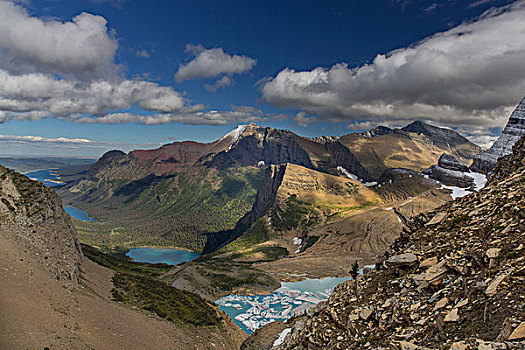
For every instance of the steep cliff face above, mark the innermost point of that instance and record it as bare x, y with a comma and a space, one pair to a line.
264, 200
510, 163
342, 156
33, 218
266, 195
257, 144
515, 128
449, 162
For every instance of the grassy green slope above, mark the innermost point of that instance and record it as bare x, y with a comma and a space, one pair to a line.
166, 211
138, 284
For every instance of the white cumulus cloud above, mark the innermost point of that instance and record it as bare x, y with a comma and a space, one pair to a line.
43, 139
82, 48
469, 76
210, 63
66, 69
41, 92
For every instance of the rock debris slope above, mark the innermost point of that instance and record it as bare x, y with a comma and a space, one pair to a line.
455, 280
515, 128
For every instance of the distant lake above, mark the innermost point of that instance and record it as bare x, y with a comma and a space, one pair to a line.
78, 214
170, 256
48, 177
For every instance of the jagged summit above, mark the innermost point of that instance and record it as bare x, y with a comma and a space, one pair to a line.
515, 128
234, 135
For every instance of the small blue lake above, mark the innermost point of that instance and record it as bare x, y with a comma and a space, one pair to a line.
78, 214
170, 256
48, 177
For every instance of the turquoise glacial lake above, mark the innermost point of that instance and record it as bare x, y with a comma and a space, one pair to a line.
170, 256
78, 214
251, 312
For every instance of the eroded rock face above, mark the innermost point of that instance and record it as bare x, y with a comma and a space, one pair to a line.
266, 195
450, 172
515, 128
32, 216
449, 162
508, 164
264, 200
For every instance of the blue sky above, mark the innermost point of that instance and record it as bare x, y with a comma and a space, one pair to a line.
82, 77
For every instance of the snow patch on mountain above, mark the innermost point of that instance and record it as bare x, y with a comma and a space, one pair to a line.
235, 134
457, 192
479, 179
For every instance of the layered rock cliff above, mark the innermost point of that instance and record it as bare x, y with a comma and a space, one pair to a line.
450, 172
264, 200
33, 218
515, 128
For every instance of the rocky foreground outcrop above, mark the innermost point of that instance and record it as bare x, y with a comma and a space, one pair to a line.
454, 280
32, 216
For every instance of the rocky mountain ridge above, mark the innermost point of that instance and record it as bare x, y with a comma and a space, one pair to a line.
454, 280
441, 137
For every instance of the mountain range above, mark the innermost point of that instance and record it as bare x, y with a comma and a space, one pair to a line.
184, 193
